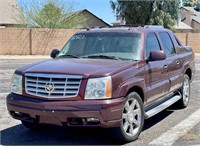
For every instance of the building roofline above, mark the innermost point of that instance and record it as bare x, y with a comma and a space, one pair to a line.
80, 11
96, 17
195, 20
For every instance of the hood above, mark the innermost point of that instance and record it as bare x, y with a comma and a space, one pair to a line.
73, 66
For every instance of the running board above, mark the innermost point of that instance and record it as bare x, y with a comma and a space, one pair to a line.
162, 106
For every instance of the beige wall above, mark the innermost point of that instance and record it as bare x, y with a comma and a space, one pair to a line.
182, 37
194, 41
44, 40
14, 41
190, 39
17, 41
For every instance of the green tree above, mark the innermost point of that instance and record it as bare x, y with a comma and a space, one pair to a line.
157, 12
51, 14
162, 18
190, 3
133, 11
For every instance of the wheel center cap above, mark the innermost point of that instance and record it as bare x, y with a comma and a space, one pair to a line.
130, 118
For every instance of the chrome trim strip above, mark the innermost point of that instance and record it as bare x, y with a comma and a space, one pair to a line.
53, 76
162, 106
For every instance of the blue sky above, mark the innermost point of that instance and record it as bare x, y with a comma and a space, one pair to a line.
100, 8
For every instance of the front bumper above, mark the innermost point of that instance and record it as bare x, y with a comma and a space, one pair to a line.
67, 113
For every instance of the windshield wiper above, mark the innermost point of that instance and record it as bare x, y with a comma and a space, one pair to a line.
103, 56
70, 55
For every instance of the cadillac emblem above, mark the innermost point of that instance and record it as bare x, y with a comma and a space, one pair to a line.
49, 87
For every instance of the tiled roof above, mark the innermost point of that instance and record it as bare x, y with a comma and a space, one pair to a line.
196, 14
182, 25
191, 9
9, 12
197, 19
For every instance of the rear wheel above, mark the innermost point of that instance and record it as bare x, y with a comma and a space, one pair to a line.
185, 91
132, 118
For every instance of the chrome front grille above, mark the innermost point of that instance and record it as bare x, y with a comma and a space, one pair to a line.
52, 85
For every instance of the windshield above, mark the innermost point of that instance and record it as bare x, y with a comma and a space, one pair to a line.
120, 45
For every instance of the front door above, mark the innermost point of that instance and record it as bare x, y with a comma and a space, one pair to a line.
156, 72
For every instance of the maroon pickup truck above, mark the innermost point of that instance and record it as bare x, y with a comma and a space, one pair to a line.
105, 77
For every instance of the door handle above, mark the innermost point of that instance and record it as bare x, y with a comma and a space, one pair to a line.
165, 67
178, 62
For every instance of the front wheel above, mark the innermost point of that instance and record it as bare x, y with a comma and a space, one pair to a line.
132, 118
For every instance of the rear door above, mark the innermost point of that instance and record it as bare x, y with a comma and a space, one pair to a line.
156, 75
172, 61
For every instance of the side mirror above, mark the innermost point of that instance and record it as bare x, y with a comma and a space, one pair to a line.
157, 55
54, 53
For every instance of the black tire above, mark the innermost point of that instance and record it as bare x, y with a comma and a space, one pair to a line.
129, 119
30, 125
185, 93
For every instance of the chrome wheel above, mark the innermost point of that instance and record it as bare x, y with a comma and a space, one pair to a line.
132, 120
186, 90
132, 117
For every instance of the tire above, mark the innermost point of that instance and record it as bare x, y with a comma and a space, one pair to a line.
132, 119
30, 125
185, 92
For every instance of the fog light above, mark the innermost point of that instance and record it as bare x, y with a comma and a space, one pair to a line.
92, 120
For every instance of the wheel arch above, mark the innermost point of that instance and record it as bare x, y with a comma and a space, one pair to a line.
138, 90
134, 85
189, 73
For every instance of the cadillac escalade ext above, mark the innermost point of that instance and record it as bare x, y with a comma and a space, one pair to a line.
105, 77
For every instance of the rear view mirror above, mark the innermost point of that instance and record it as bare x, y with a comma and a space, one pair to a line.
157, 55
54, 53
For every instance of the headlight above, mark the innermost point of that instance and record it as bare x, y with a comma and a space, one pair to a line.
99, 88
16, 86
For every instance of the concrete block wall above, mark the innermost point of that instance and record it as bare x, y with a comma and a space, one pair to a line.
190, 39
24, 41
14, 41
44, 40
182, 37
193, 40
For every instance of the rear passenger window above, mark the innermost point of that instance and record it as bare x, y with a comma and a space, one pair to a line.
167, 43
151, 44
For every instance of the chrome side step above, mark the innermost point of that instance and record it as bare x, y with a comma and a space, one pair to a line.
162, 106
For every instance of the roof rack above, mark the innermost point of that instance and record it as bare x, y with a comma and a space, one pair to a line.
154, 26
128, 25
96, 27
